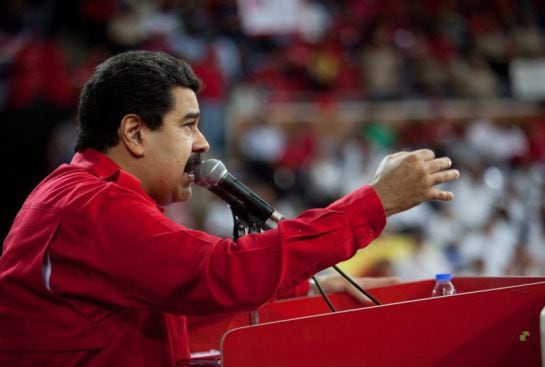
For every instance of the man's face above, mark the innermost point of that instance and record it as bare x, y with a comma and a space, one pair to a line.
169, 148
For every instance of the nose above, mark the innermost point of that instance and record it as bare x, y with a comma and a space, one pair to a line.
200, 144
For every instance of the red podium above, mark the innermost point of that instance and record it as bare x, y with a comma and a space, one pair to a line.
490, 322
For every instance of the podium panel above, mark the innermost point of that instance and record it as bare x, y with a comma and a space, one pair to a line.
490, 322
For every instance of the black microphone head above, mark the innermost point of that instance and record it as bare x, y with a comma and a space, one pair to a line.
209, 173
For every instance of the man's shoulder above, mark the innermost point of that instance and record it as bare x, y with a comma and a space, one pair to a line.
70, 185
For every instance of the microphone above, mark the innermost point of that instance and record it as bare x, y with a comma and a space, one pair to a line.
213, 175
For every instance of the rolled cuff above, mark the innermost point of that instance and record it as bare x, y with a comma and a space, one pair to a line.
364, 211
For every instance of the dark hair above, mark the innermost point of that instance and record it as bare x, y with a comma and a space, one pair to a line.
138, 82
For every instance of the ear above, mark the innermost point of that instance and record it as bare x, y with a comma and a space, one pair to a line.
130, 134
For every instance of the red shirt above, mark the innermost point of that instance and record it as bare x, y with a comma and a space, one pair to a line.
93, 273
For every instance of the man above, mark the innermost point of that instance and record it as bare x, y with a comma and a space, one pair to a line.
93, 273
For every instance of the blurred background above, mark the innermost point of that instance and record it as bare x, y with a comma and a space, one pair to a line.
302, 100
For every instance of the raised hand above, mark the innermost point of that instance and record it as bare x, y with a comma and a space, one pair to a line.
406, 179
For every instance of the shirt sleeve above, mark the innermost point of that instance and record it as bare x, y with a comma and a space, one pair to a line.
299, 290
127, 253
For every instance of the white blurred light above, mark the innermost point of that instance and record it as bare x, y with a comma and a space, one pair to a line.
493, 178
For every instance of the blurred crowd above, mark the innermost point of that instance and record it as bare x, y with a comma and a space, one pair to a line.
350, 50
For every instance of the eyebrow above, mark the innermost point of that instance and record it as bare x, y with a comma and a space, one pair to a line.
191, 116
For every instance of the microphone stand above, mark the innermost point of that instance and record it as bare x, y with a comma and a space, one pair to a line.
245, 223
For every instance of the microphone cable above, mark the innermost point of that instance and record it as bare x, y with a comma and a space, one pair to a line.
349, 279
355, 285
322, 293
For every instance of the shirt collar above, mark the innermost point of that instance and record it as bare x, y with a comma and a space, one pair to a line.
97, 163
100, 165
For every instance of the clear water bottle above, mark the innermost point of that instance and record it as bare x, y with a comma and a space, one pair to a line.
443, 285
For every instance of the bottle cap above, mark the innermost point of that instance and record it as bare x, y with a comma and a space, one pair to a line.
443, 276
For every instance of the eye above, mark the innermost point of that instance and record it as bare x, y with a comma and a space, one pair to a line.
190, 125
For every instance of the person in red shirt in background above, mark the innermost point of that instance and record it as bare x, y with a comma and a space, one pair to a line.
93, 273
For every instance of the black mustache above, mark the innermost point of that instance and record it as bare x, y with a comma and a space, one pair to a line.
193, 162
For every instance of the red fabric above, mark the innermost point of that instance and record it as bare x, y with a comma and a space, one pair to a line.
40, 71
211, 76
299, 151
122, 273
100, 11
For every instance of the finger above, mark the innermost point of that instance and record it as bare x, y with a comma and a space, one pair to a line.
398, 154
441, 195
379, 282
444, 176
360, 297
425, 154
439, 164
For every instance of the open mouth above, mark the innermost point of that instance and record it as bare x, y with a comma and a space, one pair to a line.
192, 163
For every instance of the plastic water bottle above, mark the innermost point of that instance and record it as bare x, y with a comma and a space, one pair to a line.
443, 285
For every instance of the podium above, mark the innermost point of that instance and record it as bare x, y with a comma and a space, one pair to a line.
492, 321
